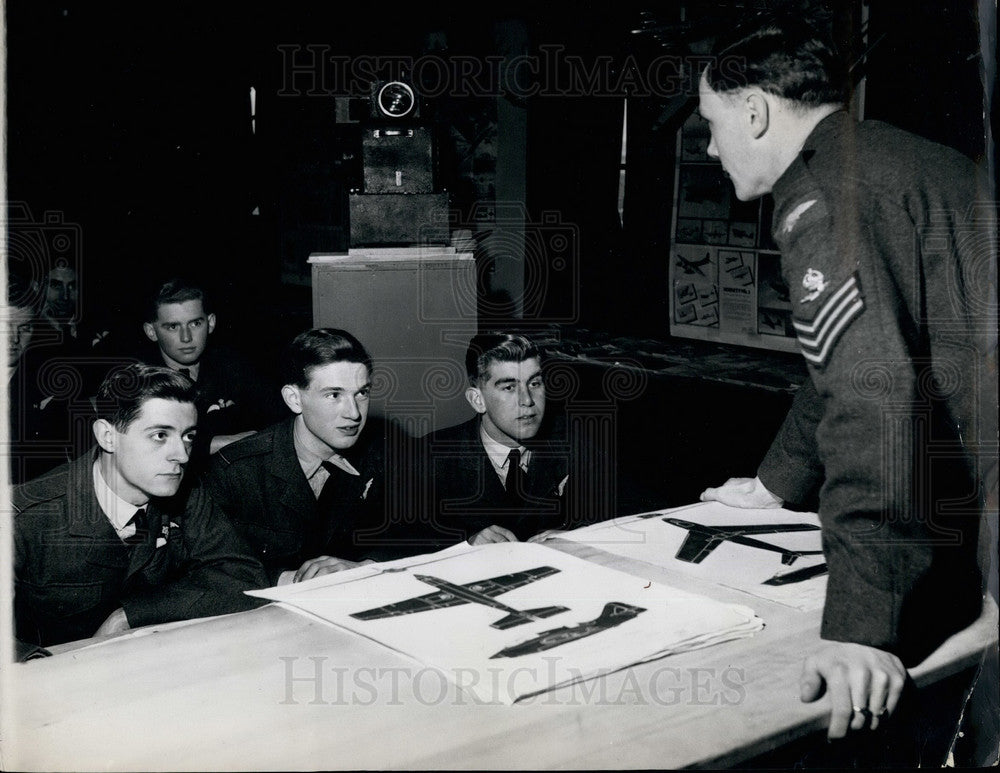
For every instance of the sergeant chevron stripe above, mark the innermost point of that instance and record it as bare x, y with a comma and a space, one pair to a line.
817, 338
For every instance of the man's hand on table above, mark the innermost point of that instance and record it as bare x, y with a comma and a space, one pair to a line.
316, 567
544, 535
492, 533
864, 684
116, 623
747, 493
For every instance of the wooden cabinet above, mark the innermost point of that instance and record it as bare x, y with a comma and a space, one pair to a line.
414, 309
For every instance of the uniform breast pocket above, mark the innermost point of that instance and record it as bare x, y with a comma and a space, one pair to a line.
269, 544
63, 599
61, 611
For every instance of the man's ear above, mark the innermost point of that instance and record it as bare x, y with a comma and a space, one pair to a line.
293, 399
150, 331
105, 434
211, 323
757, 113
475, 398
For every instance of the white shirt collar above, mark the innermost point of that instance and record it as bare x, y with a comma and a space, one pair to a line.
498, 452
117, 510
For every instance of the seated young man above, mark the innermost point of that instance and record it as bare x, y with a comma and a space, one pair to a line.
60, 364
26, 416
111, 541
60, 318
511, 472
307, 493
232, 401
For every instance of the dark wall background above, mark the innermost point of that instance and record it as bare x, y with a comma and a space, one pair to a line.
926, 73
134, 123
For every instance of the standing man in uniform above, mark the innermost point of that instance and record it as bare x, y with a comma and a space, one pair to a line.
894, 304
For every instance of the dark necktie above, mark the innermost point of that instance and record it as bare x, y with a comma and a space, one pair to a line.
515, 476
327, 493
319, 529
185, 371
139, 520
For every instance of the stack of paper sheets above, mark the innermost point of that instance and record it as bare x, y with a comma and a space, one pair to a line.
510, 620
774, 554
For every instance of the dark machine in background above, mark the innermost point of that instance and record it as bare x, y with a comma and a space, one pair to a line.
399, 203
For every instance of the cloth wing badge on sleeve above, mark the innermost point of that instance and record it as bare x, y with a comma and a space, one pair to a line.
833, 315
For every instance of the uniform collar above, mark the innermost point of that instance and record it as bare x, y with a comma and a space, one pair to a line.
824, 134
311, 454
193, 371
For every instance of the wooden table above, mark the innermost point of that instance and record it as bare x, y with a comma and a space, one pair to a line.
215, 694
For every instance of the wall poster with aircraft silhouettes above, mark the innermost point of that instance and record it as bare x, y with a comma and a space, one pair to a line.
724, 275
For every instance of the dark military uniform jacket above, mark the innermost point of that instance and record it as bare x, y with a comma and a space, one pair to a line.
260, 485
50, 394
232, 397
71, 570
890, 303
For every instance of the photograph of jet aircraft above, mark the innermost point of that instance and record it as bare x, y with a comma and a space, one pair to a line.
693, 266
615, 613
479, 592
702, 540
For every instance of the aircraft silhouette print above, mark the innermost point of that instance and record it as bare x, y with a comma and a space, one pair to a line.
702, 540
484, 592
614, 613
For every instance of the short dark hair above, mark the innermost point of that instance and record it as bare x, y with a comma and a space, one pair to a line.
496, 346
122, 393
789, 57
317, 347
176, 290
57, 264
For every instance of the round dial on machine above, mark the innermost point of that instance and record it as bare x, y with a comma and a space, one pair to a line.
395, 99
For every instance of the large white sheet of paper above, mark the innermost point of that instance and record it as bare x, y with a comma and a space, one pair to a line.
775, 554
510, 620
